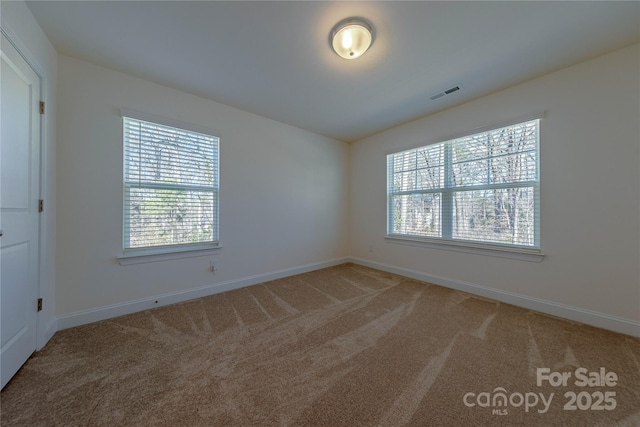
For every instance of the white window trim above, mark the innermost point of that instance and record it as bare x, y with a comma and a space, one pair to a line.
517, 253
165, 253
489, 249
141, 256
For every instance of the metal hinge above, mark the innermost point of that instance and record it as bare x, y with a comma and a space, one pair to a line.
39, 304
41, 107
40, 205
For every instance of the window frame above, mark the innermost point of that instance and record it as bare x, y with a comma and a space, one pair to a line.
524, 253
145, 254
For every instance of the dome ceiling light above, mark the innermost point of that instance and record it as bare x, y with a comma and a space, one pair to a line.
351, 37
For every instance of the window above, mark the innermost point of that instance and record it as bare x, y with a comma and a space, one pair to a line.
478, 189
170, 186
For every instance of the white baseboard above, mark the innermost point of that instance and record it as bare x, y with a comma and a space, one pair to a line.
600, 320
114, 310
593, 318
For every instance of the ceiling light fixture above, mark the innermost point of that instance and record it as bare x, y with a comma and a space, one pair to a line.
351, 37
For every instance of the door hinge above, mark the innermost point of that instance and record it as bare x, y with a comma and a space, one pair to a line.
39, 304
41, 107
40, 205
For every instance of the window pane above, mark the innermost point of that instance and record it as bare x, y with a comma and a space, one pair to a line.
159, 217
156, 153
514, 168
430, 156
470, 148
498, 216
429, 178
513, 154
416, 214
506, 155
521, 137
419, 169
405, 181
468, 173
403, 161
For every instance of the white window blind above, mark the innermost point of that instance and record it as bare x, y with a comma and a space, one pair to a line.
170, 186
482, 188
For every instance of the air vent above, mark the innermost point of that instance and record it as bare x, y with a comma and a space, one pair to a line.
445, 92
453, 89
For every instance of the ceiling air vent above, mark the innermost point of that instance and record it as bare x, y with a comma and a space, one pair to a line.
445, 92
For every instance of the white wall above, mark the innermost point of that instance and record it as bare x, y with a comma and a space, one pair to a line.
590, 188
283, 197
284, 202
23, 30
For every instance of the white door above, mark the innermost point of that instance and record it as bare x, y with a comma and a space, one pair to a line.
19, 184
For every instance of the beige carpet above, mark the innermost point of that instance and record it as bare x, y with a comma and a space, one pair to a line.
343, 346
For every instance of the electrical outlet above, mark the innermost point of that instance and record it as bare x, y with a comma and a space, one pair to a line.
213, 265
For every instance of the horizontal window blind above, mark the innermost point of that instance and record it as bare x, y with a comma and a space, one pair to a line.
478, 188
170, 185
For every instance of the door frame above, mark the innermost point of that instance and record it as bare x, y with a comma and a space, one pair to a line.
42, 334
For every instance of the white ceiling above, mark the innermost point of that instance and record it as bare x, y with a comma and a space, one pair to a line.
274, 59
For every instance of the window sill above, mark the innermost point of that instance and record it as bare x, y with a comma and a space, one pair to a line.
521, 254
140, 256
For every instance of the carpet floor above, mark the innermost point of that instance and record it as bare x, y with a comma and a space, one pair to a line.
342, 346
